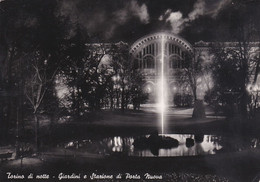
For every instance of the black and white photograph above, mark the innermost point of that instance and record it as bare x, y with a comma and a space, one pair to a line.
130, 90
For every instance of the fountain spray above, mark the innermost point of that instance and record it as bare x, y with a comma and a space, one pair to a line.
162, 89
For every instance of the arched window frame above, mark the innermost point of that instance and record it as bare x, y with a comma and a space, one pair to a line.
148, 62
175, 62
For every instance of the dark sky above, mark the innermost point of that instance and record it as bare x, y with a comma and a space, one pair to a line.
128, 20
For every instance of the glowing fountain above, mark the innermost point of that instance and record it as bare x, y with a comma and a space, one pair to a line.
162, 92
155, 141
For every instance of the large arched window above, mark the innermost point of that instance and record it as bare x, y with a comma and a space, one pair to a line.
148, 62
175, 62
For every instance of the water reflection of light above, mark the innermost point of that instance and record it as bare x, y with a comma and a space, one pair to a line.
117, 145
254, 142
208, 144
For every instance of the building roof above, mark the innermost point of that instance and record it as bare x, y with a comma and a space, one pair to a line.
168, 36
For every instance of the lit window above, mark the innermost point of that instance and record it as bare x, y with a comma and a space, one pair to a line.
148, 62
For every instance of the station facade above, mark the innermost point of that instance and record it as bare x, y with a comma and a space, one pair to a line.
147, 56
148, 52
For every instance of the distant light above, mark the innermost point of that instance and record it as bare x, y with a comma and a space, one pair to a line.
255, 88
148, 89
114, 78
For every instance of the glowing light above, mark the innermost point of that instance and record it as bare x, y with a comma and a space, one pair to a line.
162, 90
148, 89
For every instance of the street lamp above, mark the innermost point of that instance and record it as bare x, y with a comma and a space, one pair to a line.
253, 91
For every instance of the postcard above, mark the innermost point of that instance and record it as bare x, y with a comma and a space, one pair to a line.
129, 90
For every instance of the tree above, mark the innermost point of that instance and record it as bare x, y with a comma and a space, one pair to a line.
138, 96
236, 64
33, 54
190, 73
75, 70
15, 34
129, 81
38, 80
98, 76
122, 68
87, 73
189, 77
232, 68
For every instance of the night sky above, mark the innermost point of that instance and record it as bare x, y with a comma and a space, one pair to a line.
128, 20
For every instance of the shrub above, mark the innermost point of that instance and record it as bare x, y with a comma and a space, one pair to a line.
183, 100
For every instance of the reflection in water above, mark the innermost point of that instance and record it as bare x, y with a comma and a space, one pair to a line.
209, 145
203, 145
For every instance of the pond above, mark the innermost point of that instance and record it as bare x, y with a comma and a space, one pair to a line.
188, 145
